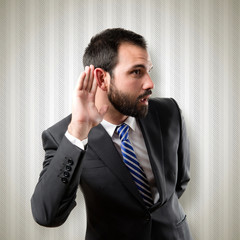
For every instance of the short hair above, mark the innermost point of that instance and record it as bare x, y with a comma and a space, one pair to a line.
102, 51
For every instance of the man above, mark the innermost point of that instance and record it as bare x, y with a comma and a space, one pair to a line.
129, 153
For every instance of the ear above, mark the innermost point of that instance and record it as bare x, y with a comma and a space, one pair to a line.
101, 77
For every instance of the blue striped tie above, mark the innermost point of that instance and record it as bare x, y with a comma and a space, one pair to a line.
130, 160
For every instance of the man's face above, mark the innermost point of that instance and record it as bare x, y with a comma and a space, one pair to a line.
130, 87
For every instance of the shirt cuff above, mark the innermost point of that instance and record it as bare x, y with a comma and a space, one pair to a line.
76, 141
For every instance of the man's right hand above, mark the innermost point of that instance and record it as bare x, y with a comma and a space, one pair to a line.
85, 115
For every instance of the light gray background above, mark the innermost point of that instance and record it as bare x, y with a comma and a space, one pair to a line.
194, 45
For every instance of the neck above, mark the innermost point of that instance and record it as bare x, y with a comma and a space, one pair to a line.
112, 115
116, 119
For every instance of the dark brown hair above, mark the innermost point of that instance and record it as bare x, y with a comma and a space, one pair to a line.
102, 51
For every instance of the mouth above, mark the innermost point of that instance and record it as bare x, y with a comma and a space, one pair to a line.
145, 99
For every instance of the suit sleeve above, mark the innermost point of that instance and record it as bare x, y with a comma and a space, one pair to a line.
55, 192
183, 158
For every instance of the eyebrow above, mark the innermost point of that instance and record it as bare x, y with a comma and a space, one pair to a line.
138, 66
142, 66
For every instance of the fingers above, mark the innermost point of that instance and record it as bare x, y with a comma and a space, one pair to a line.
80, 81
91, 78
94, 84
86, 79
87, 84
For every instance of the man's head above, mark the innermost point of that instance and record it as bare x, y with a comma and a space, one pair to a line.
122, 66
102, 51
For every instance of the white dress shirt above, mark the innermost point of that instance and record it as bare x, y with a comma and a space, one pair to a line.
138, 143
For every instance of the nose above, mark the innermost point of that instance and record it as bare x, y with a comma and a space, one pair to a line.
148, 83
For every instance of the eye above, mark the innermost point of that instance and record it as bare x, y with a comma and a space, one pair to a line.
137, 72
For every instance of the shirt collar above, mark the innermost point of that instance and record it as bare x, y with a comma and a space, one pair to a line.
110, 128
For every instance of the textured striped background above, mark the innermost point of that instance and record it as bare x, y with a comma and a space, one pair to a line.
195, 48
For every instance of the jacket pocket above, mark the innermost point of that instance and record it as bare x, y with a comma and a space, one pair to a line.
183, 229
181, 221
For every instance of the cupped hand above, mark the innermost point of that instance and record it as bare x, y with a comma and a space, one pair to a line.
85, 114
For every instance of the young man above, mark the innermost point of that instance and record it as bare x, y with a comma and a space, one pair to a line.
129, 153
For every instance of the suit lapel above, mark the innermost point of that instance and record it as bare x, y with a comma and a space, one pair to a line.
151, 131
102, 144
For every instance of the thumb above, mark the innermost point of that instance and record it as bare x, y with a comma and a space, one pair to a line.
103, 110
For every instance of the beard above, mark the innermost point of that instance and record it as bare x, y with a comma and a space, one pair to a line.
126, 104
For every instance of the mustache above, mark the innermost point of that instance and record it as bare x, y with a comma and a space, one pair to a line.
146, 93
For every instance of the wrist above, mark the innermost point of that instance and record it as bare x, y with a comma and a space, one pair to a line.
79, 131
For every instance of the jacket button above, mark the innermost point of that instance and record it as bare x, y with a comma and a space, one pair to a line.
147, 217
64, 180
70, 161
66, 174
68, 168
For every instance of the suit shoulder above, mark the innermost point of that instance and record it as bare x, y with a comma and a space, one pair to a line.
163, 105
59, 129
165, 110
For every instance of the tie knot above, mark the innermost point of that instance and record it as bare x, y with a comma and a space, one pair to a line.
122, 131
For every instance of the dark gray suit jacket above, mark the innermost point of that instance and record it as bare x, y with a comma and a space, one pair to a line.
114, 207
